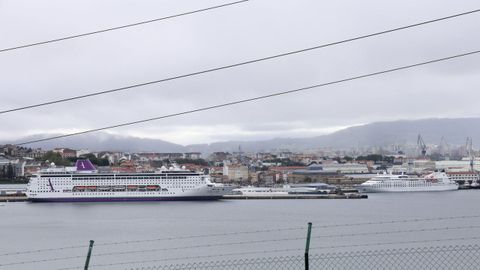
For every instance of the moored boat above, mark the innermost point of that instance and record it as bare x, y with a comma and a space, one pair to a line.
437, 181
83, 183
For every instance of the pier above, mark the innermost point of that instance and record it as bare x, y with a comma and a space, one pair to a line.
297, 196
13, 198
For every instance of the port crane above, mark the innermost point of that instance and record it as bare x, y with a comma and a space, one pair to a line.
421, 145
471, 156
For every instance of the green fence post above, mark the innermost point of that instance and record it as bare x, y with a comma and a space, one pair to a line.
87, 261
307, 246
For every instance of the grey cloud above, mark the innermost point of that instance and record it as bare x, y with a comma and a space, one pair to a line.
234, 34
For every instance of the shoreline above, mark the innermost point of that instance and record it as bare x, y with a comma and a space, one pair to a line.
242, 197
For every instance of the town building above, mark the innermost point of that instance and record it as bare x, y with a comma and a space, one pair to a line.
457, 165
464, 177
11, 168
314, 175
236, 172
193, 155
65, 152
344, 168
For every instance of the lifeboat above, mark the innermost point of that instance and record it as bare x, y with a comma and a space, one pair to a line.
79, 188
132, 187
119, 188
154, 187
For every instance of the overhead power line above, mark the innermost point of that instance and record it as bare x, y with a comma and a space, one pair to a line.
236, 64
281, 93
120, 27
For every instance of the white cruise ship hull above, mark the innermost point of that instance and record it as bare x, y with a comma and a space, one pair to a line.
374, 189
204, 193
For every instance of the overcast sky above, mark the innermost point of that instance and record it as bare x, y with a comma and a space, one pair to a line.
224, 36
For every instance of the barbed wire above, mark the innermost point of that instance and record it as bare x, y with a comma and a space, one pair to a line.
397, 221
42, 250
291, 229
400, 242
275, 262
246, 232
191, 257
277, 251
399, 231
202, 236
290, 239
245, 242
400, 251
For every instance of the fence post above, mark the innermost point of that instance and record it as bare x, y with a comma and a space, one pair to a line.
87, 261
307, 246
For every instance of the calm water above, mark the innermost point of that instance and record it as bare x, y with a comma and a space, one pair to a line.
30, 226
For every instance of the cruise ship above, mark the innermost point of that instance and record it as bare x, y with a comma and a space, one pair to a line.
437, 181
83, 183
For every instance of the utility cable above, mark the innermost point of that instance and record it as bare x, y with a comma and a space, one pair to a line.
255, 98
238, 64
120, 27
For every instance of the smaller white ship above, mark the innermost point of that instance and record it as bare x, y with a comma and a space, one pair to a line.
305, 189
437, 181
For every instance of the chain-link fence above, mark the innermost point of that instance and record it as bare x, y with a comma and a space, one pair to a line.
461, 257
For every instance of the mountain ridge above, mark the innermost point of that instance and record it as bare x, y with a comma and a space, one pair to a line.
454, 130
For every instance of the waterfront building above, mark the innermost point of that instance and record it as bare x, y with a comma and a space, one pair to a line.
11, 168
313, 174
344, 168
420, 166
457, 165
463, 177
236, 172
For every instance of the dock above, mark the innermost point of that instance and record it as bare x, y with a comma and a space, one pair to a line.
297, 196
13, 198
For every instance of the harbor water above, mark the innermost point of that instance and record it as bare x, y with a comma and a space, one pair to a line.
160, 233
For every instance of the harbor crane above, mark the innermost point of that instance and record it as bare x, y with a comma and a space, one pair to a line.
421, 146
469, 149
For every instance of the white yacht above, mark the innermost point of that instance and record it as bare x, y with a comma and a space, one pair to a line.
303, 189
437, 181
